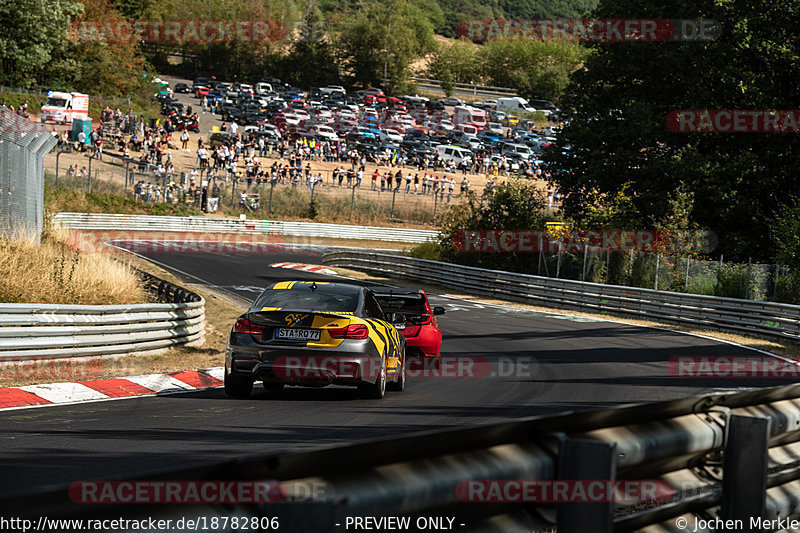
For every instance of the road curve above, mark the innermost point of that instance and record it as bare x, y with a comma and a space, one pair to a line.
540, 363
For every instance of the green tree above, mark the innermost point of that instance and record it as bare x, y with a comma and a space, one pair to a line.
536, 69
617, 106
378, 43
458, 58
33, 32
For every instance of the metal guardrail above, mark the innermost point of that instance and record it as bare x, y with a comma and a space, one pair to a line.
482, 88
49, 331
728, 456
99, 221
725, 314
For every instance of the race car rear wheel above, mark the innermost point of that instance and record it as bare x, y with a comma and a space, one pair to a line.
375, 390
238, 386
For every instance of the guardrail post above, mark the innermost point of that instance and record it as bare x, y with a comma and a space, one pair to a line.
586, 460
744, 483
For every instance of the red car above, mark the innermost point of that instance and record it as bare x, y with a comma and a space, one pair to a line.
422, 333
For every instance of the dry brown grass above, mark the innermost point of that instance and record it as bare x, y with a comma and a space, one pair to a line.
53, 273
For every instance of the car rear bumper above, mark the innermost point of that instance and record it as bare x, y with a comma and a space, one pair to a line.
304, 366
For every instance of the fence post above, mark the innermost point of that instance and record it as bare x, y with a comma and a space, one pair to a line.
353, 200
435, 201
749, 269
580, 461
394, 195
744, 484
539, 266
585, 254
686, 278
233, 192
558, 263
658, 262
719, 272
775, 282
89, 184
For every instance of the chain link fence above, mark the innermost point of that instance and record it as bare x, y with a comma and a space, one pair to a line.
751, 281
23, 145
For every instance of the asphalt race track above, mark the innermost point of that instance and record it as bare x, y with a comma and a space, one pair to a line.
540, 364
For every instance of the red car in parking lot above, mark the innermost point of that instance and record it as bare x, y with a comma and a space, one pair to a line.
422, 333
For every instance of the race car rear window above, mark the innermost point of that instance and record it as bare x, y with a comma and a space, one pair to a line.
323, 298
403, 304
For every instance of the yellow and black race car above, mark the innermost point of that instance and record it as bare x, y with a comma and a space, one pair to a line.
316, 334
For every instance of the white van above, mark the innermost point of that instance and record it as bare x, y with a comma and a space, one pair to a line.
64, 107
515, 104
519, 151
456, 154
263, 88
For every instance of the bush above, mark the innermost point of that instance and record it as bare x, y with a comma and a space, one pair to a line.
787, 289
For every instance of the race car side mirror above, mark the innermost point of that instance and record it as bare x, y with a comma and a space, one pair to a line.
438, 310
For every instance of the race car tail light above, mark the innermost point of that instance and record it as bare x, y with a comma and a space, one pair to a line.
352, 331
245, 326
424, 319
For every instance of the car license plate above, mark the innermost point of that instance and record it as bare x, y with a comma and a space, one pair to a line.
293, 334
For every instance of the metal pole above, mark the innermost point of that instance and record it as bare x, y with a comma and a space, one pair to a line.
89, 186
658, 261
353, 199
749, 269
435, 201
558, 264
686, 281
233, 192
394, 194
744, 485
127, 164
539, 267
585, 256
583, 460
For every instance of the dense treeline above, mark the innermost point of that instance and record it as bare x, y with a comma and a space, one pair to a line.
744, 186
366, 43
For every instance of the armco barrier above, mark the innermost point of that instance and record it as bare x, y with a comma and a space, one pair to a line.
732, 457
49, 331
725, 314
99, 221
